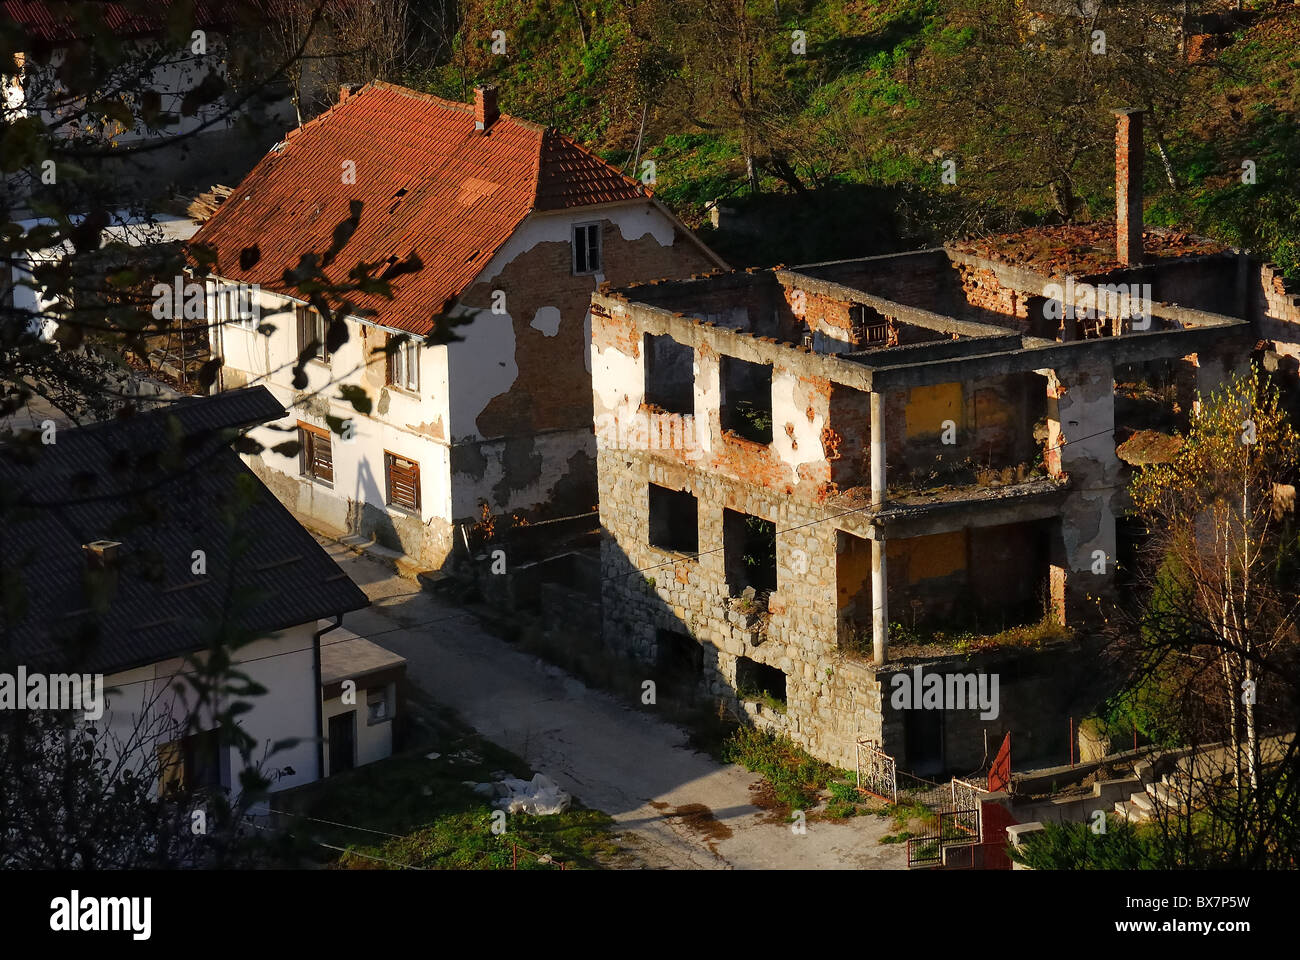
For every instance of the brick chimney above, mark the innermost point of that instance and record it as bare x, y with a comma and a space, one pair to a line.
1128, 187
485, 107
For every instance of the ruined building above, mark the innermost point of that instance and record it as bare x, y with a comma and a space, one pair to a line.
806, 473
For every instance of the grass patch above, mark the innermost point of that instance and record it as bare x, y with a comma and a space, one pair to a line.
763, 697
797, 779
436, 820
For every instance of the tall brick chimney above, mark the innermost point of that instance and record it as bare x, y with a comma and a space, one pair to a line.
1128, 187
485, 107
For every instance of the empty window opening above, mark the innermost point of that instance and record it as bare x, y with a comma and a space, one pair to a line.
870, 326
669, 375
586, 248
680, 661
749, 552
757, 681
674, 520
747, 399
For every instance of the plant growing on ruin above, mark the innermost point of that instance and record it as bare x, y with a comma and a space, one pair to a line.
1227, 594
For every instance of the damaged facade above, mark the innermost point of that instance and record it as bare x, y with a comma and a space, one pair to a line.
924, 439
515, 226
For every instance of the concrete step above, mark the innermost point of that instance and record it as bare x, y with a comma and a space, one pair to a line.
1126, 811
1143, 802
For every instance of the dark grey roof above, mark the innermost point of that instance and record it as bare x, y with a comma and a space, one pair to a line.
164, 484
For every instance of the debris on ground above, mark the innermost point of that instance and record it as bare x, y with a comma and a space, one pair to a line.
540, 796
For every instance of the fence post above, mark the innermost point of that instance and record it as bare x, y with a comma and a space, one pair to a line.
514, 855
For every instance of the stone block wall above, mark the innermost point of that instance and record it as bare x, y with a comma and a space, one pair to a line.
829, 700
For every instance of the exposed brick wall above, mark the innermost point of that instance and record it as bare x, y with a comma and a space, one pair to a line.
1277, 311
553, 390
983, 289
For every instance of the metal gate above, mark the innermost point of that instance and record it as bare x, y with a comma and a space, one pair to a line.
956, 823
877, 774
966, 807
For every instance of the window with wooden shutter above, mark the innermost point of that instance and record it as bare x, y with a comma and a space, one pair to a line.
316, 458
311, 329
403, 481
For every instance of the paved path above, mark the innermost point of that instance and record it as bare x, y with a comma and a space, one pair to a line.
685, 809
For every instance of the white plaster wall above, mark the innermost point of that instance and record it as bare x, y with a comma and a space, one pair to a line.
374, 740
483, 366
406, 428
790, 404
148, 698
480, 366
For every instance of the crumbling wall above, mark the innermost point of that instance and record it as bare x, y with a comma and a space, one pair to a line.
646, 589
990, 421
521, 409
1276, 313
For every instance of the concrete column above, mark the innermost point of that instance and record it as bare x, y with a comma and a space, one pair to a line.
879, 571
879, 603
878, 474
1081, 427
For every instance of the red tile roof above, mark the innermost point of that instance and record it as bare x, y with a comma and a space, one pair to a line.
430, 185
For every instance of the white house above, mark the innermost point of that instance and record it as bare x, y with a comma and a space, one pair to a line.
515, 226
131, 568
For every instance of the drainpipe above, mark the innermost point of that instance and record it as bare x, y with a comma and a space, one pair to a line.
320, 694
879, 577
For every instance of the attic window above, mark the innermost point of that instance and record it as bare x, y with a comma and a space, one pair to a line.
586, 248
388, 264
397, 199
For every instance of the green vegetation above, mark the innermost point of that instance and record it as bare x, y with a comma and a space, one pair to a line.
856, 128
969, 640
796, 778
905, 814
437, 822
762, 696
1074, 846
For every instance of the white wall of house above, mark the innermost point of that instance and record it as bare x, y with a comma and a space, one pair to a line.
457, 383
407, 427
147, 699
374, 739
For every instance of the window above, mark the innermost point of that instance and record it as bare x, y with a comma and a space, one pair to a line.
403, 477
747, 399
377, 706
234, 305
669, 375
870, 328
758, 681
316, 458
674, 520
749, 552
191, 763
311, 330
404, 365
586, 248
